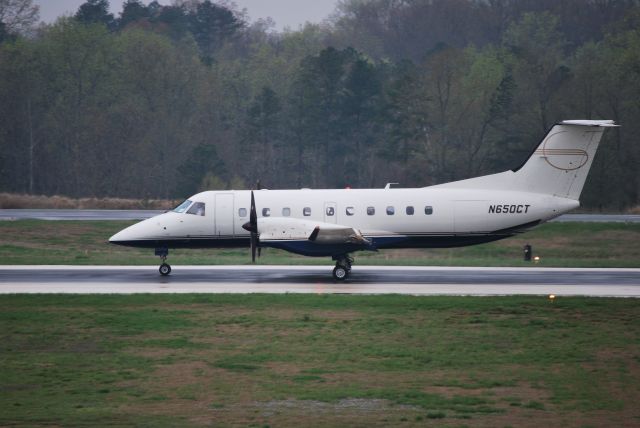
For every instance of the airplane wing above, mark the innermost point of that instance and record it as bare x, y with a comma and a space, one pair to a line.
334, 234
307, 236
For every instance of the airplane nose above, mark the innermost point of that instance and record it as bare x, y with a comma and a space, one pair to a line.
117, 237
140, 231
122, 236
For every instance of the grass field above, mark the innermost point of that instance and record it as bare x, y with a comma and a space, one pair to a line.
558, 244
319, 360
306, 360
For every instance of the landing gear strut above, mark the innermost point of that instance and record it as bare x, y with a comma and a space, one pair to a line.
164, 269
343, 267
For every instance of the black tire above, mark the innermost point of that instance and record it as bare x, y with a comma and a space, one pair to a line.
164, 269
340, 273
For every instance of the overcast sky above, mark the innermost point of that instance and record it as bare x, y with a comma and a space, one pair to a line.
285, 13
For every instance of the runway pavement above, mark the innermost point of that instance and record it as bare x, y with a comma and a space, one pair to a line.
318, 279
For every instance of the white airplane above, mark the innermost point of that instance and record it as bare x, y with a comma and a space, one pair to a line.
337, 222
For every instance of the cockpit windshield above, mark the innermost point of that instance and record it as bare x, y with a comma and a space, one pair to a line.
182, 207
197, 209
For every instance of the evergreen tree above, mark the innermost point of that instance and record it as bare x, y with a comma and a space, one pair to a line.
95, 12
211, 25
133, 11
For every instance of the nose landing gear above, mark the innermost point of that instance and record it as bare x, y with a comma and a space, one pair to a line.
164, 268
343, 267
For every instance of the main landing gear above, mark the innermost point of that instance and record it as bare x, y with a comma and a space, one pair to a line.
343, 267
164, 269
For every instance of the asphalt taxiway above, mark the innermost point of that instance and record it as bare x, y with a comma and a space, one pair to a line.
317, 279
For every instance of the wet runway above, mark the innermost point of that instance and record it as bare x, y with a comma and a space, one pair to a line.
318, 279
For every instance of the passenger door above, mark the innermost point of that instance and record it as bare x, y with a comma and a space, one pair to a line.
224, 215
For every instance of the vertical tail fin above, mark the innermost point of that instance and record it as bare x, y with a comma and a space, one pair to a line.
560, 164
557, 167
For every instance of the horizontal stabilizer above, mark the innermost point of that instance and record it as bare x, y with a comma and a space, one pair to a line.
601, 123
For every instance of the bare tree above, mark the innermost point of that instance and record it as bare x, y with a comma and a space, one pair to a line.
18, 16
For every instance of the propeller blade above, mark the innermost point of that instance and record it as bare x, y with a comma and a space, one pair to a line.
252, 226
253, 216
254, 244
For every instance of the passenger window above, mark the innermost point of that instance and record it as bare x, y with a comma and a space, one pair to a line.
182, 207
197, 209
350, 211
409, 210
371, 210
306, 211
286, 212
266, 212
330, 211
242, 212
428, 210
391, 210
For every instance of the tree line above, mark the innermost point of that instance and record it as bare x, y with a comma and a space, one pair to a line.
164, 101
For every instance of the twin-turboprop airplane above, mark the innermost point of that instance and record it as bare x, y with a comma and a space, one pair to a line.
337, 223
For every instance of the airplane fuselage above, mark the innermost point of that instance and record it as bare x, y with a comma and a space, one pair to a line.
388, 218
